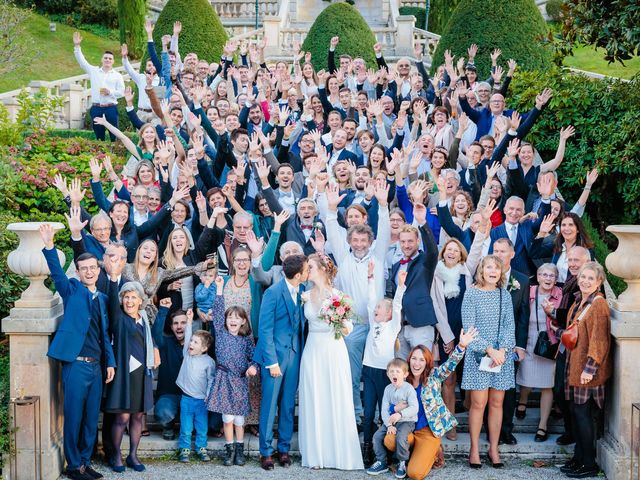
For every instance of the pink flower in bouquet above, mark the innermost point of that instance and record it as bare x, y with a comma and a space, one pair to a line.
340, 311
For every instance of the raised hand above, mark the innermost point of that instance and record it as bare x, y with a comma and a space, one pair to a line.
567, 132
543, 98
494, 56
47, 234
472, 51
96, 169
279, 219
61, 184
148, 27
514, 148
515, 120
333, 196
76, 192
467, 337
382, 193
165, 303
263, 170
546, 186
318, 242
547, 225
592, 176
77, 39
492, 170
75, 222
377, 48
177, 28
201, 202
124, 50
497, 74
512, 67
255, 244
334, 42
420, 213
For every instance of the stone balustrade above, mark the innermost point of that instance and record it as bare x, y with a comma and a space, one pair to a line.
243, 9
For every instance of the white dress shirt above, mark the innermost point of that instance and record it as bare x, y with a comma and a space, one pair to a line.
111, 80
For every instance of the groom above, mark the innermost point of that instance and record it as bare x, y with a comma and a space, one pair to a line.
278, 352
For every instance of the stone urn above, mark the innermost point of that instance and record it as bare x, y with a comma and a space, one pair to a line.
625, 263
27, 260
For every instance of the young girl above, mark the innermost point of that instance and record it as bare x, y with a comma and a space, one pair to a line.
229, 394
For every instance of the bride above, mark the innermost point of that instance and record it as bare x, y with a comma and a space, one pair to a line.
327, 430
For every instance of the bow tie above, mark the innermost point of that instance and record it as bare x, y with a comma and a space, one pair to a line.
286, 194
306, 227
404, 261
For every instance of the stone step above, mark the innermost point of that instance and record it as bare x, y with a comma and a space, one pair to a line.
154, 446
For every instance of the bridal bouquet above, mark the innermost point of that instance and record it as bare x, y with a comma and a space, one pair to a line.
336, 310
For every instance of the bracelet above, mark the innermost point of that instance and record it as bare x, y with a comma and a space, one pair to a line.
587, 189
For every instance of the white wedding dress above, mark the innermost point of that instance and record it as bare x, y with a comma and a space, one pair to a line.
327, 431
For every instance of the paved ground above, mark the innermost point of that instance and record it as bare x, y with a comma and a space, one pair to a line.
455, 469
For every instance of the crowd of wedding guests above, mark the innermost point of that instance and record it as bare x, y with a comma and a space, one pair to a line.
420, 194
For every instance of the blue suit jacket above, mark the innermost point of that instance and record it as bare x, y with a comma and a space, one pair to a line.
281, 326
72, 331
527, 232
345, 155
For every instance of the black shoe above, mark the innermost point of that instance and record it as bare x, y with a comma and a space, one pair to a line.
77, 475
239, 454
508, 439
584, 472
541, 438
229, 454
570, 466
91, 472
367, 454
521, 414
475, 466
565, 439
494, 465
168, 433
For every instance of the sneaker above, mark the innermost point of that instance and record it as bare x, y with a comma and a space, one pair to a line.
203, 455
377, 468
584, 472
168, 433
401, 472
184, 455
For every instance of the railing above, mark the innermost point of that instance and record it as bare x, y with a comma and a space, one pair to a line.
251, 36
386, 36
289, 36
429, 40
76, 92
413, 3
244, 9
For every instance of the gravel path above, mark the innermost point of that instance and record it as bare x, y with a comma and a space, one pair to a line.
455, 469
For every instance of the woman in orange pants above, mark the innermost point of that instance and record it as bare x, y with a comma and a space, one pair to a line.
434, 419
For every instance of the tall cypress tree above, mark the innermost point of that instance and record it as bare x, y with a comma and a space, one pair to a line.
131, 15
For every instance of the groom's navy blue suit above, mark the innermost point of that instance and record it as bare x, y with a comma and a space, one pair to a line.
279, 342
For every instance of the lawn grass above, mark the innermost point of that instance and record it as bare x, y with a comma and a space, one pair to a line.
592, 60
55, 59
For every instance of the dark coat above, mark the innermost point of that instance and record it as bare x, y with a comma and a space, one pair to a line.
521, 309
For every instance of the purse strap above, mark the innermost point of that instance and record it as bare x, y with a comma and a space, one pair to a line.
499, 316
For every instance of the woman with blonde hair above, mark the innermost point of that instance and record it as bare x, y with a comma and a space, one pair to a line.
453, 276
489, 367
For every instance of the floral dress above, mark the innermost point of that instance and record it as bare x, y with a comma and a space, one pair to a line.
241, 297
229, 393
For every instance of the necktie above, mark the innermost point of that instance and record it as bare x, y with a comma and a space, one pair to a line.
404, 261
512, 234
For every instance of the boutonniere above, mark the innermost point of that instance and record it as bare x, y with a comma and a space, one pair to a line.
317, 225
304, 297
513, 284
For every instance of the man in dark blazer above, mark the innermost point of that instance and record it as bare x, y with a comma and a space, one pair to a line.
82, 344
337, 150
418, 315
518, 287
523, 234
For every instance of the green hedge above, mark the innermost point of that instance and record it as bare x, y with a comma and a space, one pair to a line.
554, 9
202, 31
515, 26
601, 240
606, 115
343, 20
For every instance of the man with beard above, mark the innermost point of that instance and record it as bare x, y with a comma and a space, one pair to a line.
352, 258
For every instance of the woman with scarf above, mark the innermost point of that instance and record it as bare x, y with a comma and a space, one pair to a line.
453, 275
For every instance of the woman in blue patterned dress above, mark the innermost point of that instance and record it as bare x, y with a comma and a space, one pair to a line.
487, 306
229, 393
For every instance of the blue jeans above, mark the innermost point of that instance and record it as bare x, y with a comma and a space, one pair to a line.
193, 412
356, 341
82, 386
110, 113
166, 409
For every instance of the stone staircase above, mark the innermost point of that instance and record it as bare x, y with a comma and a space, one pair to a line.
524, 430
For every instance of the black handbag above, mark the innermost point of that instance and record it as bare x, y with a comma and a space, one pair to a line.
544, 348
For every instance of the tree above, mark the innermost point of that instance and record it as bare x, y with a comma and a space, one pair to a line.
16, 51
344, 21
516, 27
131, 14
202, 31
610, 24
440, 12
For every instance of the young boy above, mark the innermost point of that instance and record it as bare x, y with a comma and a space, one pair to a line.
379, 350
399, 416
195, 377
205, 293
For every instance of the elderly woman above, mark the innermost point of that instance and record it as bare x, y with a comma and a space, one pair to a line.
536, 371
434, 418
130, 394
589, 366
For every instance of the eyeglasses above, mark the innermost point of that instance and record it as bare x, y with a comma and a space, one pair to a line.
91, 268
140, 197
116, 256
102, 229
238, 227
241, 260
547, 275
